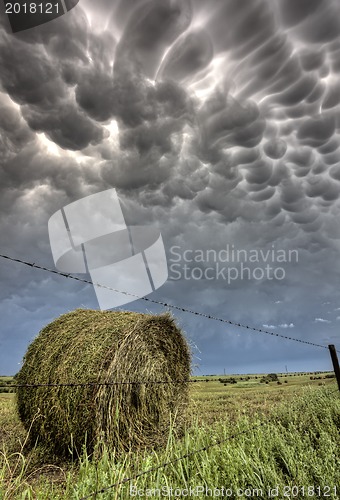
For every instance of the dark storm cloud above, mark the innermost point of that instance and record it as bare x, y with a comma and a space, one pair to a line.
293, 13
314, 21
33, 77
263, 195
193, 52
314, 131
312, 60
323, 187
15, 132
152, 123
275, 149
94, 90
224, 122
259, 173
335, 172
68, 128
151, 116
330, 147
247, 28
227, 120
331, 98
149, 31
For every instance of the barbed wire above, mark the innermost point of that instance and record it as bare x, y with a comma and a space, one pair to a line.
164, 304
221, 379
129, 382
173, 461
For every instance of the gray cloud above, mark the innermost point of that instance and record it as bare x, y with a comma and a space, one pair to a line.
190, 54
275, 148
215, 121
149, 31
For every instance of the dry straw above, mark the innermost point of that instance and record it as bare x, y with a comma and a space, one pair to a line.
87, 346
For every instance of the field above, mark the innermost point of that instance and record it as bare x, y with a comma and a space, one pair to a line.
273, 437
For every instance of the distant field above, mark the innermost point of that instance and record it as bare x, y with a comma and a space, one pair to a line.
213, 401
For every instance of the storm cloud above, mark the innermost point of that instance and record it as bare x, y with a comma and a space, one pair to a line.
216, 121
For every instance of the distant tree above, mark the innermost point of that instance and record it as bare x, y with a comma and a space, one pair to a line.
230, 380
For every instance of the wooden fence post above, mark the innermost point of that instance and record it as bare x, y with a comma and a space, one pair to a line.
335, 362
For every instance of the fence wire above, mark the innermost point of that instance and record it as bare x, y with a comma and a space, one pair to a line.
94, 384
165, 304
222, 379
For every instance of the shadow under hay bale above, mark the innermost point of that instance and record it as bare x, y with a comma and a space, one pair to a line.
87, 346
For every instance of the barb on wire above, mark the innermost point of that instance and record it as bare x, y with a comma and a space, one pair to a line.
164, 304
173, 461
128, 382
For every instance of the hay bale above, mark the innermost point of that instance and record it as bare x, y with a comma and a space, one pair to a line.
104, 346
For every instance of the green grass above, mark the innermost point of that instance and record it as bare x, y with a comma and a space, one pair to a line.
296, 442
213, 401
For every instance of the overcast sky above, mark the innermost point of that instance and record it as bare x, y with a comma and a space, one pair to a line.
218, 123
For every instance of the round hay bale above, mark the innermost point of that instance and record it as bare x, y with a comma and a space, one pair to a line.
87, 346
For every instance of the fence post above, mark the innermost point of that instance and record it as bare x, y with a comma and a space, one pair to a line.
335, 362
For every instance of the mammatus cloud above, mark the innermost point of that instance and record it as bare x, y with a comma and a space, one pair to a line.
215, 121
249, 108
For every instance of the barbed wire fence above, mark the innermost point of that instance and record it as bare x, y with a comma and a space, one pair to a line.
164, 304
149, 382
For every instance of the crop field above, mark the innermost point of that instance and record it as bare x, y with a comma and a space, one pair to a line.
247, 436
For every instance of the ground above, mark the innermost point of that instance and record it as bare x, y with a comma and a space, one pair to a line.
218, 403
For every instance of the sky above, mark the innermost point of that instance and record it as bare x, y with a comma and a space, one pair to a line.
218, 124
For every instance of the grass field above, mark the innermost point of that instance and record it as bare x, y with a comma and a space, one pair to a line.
283, 436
